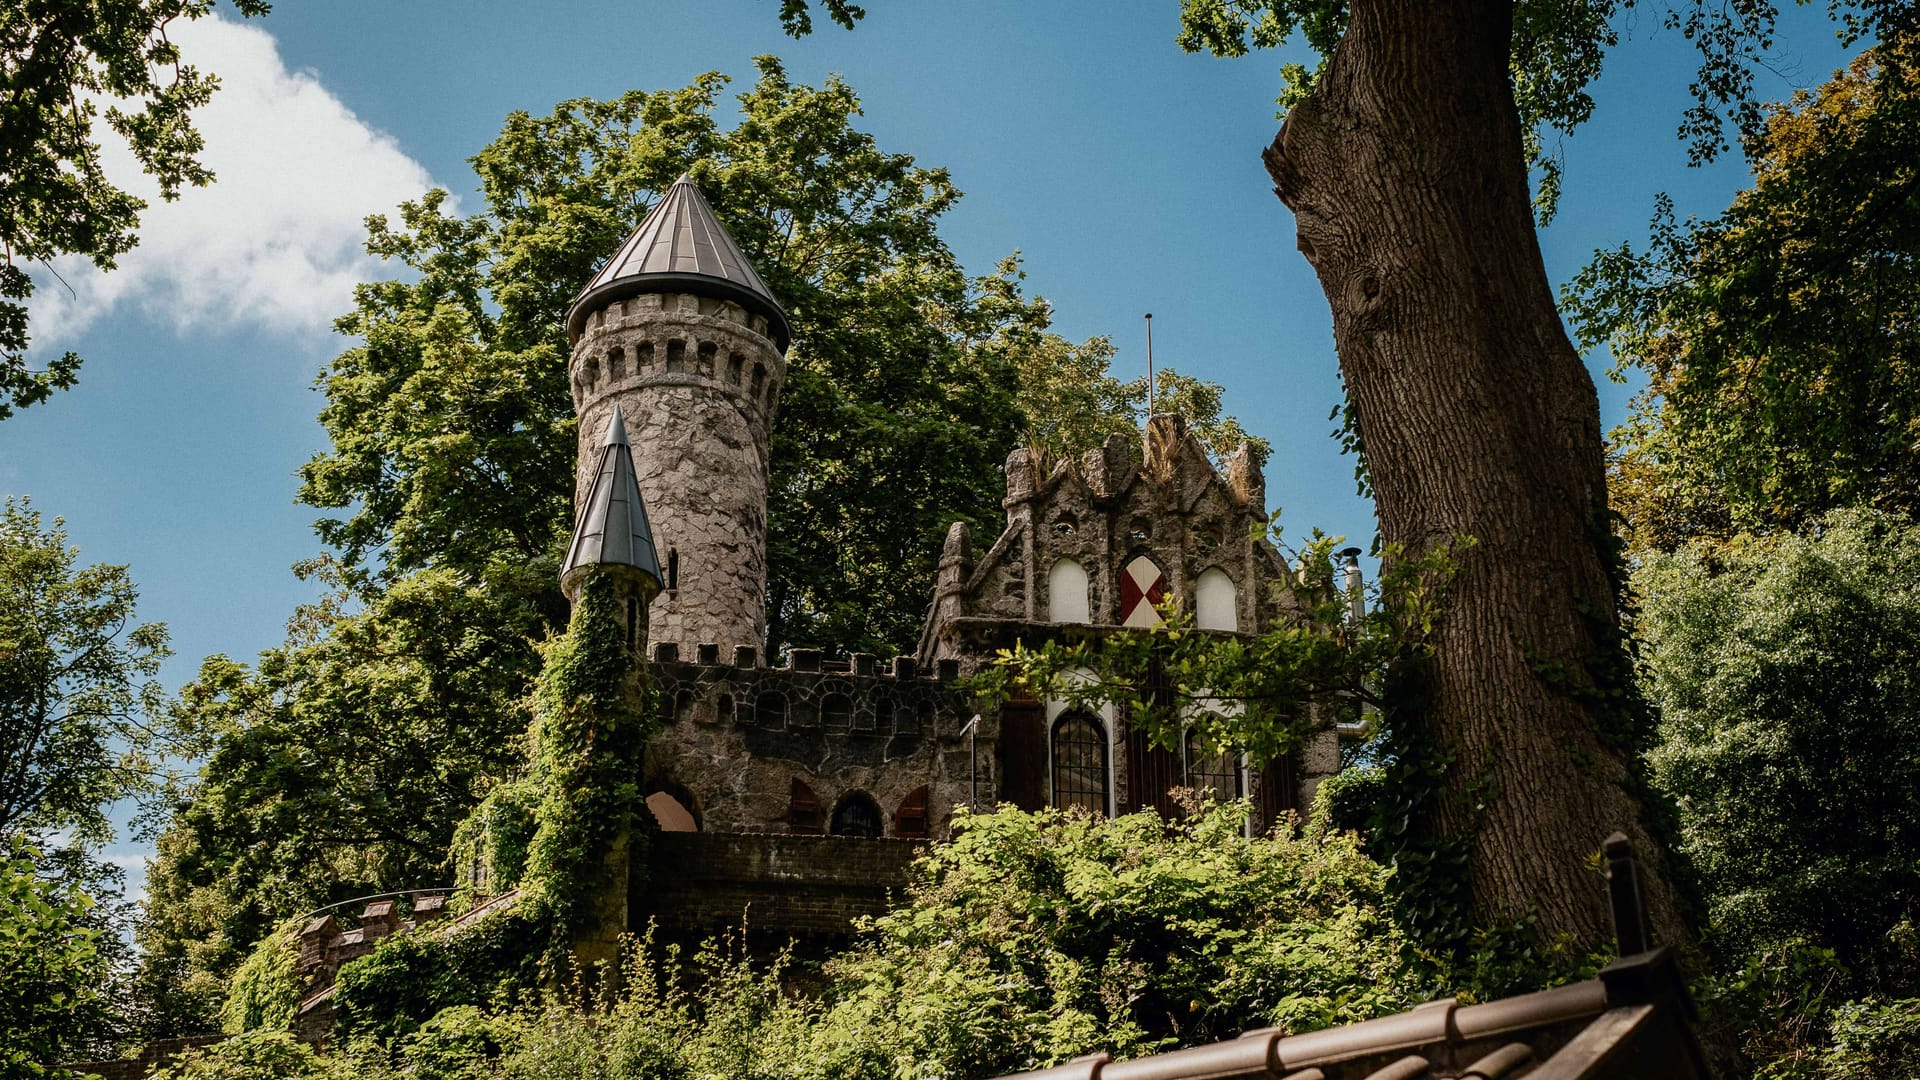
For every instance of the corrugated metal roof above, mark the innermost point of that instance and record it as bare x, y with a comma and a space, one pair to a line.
681, 244
613, 529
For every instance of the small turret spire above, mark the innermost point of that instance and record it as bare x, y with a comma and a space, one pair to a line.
613, 529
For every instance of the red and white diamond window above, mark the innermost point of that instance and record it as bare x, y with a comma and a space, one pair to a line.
1142, 589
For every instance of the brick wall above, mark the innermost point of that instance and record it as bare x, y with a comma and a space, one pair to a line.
806, 885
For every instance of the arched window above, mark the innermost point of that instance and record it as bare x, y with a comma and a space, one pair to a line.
676, 355
642, 357
1142, 588
736, 364
709, 352
1080, 762
1067, 593
1215, 772
617, 364
803, 809
673, 569
673, 807
682, 705
770, 710
759, 378
836, 712
910, 821
1216, 603
856, 814
725, 707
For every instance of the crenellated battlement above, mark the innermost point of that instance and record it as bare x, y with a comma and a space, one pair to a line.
678, 339
757, 749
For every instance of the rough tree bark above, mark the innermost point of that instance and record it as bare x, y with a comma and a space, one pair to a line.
1406, 173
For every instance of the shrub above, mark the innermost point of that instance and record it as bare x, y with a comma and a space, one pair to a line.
1031, 938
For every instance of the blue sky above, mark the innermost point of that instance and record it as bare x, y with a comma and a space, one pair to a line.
1127, 172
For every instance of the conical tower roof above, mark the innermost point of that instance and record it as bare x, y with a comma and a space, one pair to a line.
613, 529
681, 246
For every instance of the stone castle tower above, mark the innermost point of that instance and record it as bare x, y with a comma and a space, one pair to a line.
679, 332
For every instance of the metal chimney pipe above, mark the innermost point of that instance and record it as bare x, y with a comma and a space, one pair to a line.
1356, 593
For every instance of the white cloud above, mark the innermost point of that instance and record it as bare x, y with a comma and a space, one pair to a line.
276, 240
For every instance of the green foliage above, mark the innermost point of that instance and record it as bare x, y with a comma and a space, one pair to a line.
409, 978
1032, 938
1264, 693
1790, 737
52, 970
259, 1055
1778, 339
490, 846
590, 733
77, 704
1790, 744
337, 768
62, 61
265, 988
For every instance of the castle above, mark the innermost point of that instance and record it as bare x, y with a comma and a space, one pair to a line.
776, 786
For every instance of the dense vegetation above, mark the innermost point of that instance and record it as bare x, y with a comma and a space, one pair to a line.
1764, 486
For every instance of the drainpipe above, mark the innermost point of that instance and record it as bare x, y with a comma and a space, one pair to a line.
972, 732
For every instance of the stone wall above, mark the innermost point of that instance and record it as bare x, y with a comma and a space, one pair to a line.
803, 885
699, 382
737, 736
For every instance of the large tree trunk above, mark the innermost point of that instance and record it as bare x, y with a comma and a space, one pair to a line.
1406, 173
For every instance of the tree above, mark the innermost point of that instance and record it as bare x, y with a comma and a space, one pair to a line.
60, 59
1790, 744
51, 969
1405, 159
79, 715
340, 765
452, 424
1779, 339
1790, 736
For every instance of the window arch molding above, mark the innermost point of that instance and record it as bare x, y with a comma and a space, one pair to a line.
1080, 759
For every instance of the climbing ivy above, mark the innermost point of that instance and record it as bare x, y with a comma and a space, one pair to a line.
266, 987
591, 725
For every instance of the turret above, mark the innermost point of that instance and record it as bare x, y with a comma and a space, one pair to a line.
611, 532
679, 333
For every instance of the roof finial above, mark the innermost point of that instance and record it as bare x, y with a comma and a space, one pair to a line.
616, 430
1149, 364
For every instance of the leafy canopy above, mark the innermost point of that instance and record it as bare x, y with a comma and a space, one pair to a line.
81, 721
68, 68
52, 969
1779, 340
1790, 736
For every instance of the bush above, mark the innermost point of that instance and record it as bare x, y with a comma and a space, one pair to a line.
257, 1055
1031, 938
1785, 675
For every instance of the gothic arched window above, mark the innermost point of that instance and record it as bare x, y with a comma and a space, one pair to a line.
1216, 772
856, 814
1080, 762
